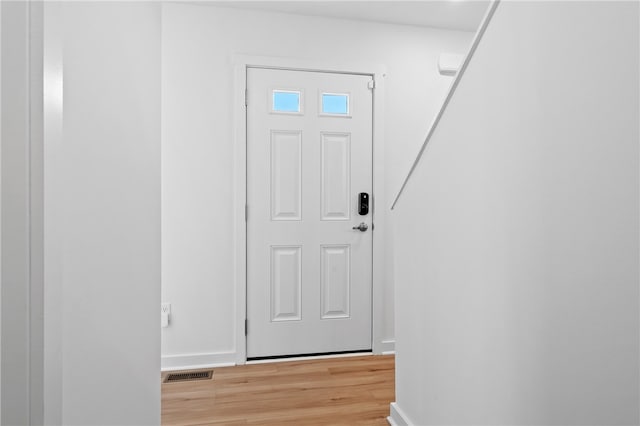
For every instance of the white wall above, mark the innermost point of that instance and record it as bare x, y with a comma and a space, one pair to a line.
0, 214
517, 237
22, 215
54, 199
102, 206
198, 43
15, 214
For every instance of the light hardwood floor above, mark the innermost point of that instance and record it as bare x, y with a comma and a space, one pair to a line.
335, 391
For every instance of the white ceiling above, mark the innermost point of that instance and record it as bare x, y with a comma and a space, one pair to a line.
464, 15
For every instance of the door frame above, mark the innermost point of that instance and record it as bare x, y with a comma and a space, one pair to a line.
379, 212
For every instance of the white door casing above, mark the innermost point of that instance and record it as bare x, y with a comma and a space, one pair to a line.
309, 281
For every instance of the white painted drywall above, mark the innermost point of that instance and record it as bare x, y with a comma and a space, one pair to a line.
15, 213
36, 215
517, 236
102, 212
1, 212
55, 200
198, 44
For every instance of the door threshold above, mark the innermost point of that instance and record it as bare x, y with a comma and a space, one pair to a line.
307, 357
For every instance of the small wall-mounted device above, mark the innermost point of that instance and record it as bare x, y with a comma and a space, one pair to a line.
363, 204
165, 313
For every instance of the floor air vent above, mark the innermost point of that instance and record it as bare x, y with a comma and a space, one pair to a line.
189, 377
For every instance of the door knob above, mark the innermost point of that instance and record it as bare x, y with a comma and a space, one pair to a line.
362, 227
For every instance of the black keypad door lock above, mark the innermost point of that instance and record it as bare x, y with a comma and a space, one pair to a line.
363, 204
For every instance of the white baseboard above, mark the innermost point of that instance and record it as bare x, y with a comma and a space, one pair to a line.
388, 347
397, 417
196, 361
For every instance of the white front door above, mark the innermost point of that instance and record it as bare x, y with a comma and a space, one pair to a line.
309, 156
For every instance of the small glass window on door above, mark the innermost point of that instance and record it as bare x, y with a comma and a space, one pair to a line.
286, 101
335, 104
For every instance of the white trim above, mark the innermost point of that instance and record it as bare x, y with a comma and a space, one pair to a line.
0, 217
391, 421
379, 213
240, 200
397, 417
240, 63
388, 347
195, 361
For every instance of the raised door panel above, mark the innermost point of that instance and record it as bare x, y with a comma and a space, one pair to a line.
335, 281
286, 283
286, 175
336, 176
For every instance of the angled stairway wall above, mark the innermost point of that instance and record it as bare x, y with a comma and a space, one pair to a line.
517, 254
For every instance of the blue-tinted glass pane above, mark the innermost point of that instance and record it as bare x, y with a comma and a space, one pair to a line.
335, 104
286, 101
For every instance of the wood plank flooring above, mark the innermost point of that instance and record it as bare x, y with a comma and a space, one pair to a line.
336, 391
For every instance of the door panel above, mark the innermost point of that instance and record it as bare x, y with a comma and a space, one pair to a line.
335, 281
286, 283
336, 176
286, 176
309, 155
